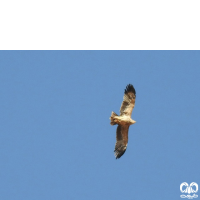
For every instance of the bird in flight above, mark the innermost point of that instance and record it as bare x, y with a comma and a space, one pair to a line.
123, 120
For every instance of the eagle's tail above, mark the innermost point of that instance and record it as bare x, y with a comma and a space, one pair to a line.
112, 122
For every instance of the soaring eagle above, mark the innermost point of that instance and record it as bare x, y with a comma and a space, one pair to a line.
124, 120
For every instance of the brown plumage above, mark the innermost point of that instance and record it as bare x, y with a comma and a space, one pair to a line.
124, 120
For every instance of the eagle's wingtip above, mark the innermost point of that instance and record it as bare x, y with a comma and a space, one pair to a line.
130, 88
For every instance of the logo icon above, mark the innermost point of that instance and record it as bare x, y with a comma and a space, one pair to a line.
192, 188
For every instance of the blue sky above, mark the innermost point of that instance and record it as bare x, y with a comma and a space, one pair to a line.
56, 141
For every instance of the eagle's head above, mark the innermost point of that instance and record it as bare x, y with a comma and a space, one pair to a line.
133, 121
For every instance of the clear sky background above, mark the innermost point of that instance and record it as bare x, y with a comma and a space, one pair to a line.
56, 141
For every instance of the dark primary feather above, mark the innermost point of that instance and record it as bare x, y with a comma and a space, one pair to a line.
128, 101
130, 88
122, 140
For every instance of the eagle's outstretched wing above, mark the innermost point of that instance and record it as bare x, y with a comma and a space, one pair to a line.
122, 140
128, 101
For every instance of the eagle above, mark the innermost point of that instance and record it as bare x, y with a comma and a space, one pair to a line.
123, 120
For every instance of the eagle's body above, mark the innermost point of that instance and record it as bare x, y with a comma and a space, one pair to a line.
124, 120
